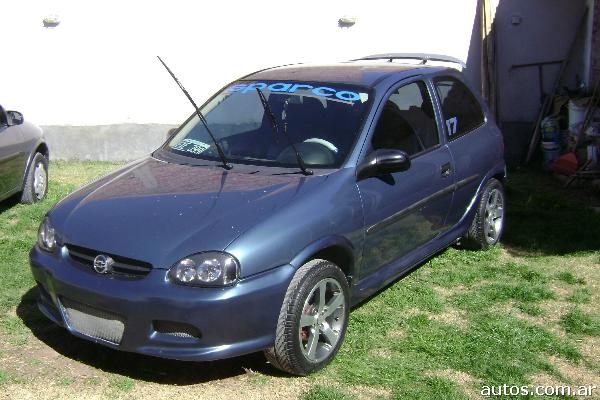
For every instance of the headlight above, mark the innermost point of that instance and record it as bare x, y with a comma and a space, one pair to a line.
46, 238
212, 268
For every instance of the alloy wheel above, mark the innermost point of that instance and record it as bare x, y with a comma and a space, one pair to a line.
494, 216
322, 320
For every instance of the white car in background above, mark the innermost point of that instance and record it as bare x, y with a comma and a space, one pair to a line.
23, 158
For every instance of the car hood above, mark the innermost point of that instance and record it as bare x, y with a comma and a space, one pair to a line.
160, 212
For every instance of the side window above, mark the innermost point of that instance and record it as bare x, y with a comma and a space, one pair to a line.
462, 113
407, 122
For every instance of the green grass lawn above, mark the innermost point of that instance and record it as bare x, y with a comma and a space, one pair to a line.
523, 313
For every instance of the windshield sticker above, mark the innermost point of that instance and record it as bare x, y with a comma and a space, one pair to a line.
191, 146
321, 91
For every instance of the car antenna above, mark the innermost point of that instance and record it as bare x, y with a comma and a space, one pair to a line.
226, 164
275, 126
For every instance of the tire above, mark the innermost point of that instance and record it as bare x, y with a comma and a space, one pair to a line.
36, 180
298, 350
487, 226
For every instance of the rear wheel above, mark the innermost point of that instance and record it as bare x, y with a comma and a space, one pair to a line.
36, 180
313, 319
488, 224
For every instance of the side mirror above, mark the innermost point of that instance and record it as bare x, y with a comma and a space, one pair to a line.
382, 162
14, 118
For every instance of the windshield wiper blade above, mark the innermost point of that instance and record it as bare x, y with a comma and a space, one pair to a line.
275, 126
226, 164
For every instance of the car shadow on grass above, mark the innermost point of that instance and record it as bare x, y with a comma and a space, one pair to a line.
9, 203
132, 365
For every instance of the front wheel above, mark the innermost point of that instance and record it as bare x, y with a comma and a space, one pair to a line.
313, 319
36, 180
488, 224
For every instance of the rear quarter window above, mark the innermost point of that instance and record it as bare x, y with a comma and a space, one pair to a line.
461, 111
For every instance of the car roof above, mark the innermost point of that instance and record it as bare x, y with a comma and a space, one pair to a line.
364, 73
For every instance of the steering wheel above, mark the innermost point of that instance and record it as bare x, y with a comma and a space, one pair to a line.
323, 142
314, 152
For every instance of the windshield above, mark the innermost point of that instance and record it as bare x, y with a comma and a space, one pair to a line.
321, 119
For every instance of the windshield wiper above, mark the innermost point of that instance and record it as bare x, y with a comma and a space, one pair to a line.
226, 164
275, 126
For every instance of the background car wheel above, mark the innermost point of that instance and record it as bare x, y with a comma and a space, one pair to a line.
313, 319
488, 224
36, 181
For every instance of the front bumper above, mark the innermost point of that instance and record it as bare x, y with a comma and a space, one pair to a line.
231, 321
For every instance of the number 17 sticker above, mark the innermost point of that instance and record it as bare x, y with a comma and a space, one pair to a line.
451, 124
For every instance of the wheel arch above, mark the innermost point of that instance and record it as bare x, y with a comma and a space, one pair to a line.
40, 147
43, 149
337, 249
501, 175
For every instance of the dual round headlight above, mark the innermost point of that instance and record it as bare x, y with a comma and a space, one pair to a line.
46, 236
212, 268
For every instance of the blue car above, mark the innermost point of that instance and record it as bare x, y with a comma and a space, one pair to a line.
294, 193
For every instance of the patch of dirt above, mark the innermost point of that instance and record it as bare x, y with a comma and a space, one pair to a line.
452, 317
544, 379
506, 255
35, 359
402, 314
446, 293
45, 390
554, 310
396, 334
576, 374
467, 382
361, 392
561, 292
591, 349
277, 388
40, 372
383, 353
231, 388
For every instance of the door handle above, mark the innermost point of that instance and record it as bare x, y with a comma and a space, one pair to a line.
445, 170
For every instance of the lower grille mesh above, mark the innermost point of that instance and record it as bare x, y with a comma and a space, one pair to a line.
176, 329
92, 322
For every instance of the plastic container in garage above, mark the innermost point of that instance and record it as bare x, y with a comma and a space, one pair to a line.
551, 151
576, 112
550, 130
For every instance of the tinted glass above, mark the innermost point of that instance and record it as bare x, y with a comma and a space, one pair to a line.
462, 112
322, 120
407, 122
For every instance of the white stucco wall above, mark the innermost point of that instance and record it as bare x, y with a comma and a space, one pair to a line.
99, 67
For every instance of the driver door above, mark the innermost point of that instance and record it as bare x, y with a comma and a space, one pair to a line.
405, 210
11, 156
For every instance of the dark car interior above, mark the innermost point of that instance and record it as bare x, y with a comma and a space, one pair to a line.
407, 121
322, 131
